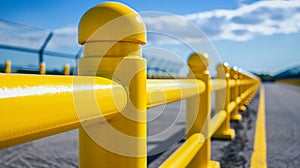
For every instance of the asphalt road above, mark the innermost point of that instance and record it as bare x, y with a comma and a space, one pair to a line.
283, 125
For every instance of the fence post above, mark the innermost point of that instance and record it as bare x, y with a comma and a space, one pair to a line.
42, 68
222, 98
112, 35
252, 94
7, 66
67, 69
242, 106
234, 94
198, 110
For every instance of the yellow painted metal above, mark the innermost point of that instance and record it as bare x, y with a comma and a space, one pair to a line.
249, 93
36, 106
259, 155
222, 103
242, 89
169, 90
216, 122
234, 94
247, 82
243, 108
231, 83
112, 34
126, 145
186, 152
238, 100
218, 84
67, 69
231, 106
7, 66
198, 110
111, 21
42, 68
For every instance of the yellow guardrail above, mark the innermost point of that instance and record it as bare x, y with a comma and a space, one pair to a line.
169, 90
110, 110
35, 106
42, 68
186, 153
7, 66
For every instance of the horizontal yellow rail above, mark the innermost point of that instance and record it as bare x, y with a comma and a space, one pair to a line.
186, 152
249, 91
238, 100
247, 82
218, 84
216, 122
169, 90
34, 106
231, 106
232, 83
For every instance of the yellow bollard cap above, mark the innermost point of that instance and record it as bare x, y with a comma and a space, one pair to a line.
223, 67
198, 61
112, 21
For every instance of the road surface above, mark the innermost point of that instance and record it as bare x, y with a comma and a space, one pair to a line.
283, 125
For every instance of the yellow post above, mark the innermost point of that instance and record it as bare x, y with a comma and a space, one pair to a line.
7, 66
112, 34
67, 69
234, 94
247, 87
222, 98
198, 110
242, 106
42, 68
242, 90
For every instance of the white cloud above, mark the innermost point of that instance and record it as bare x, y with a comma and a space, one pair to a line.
241, 24
68, 30
12, 34
64, 40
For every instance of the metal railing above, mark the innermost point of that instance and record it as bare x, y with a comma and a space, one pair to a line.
110, 109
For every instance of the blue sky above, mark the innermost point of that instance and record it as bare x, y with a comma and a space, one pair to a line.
260, 36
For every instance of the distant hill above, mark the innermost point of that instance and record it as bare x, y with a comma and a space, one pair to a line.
293, 72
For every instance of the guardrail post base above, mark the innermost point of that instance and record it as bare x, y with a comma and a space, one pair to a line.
213, 164
236, 117
243, 108
227, 134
